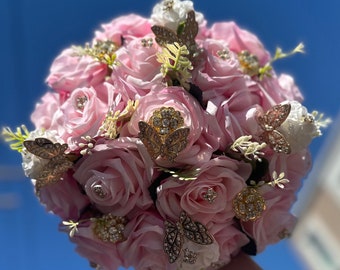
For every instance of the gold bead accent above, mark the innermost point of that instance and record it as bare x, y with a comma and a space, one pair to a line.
102, 51
109, 228
223, 54
249, 63
104, 48
248, 204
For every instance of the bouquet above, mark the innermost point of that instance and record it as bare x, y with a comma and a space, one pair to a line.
165, 143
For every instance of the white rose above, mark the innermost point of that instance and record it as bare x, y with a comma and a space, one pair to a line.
205, 255
31, 164
299, 128
170, 13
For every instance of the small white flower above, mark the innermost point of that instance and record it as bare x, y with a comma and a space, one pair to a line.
170, 13
72, 226
248, 148
278, 180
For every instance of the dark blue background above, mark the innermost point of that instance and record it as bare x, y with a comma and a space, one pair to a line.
33, 32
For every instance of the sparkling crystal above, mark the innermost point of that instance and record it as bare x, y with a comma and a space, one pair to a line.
156, 122
210, 195
98, 190
166, 120
147, 42
173, 123
80, 102
189, 256
223, 54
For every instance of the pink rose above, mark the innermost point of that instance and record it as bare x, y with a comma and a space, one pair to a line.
295, 166
114, 97
81, 114
197, 151
116, 176
64, 198
275, 222
124, 28
233, 117
225, 177
139, 69
268, 90
140, 61
69, 71
290, 91
44, 111
143, 248
213, 133
144, 235
229, 239
98, 252
216, 75
274, 90
239, 39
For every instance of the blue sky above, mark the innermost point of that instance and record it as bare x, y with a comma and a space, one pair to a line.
35, 31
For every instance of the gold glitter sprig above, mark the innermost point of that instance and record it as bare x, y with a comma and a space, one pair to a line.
176, 65
279, 54
15, 139
113, 121
102, 51
249, 63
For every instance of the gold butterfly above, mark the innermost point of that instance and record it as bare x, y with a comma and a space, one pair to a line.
269, 122
186, 33
184, 228
168, 145
58, 162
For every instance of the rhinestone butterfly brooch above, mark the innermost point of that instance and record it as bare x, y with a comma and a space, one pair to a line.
58, 162
175, 233
269, 122
186, 33
163, 135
